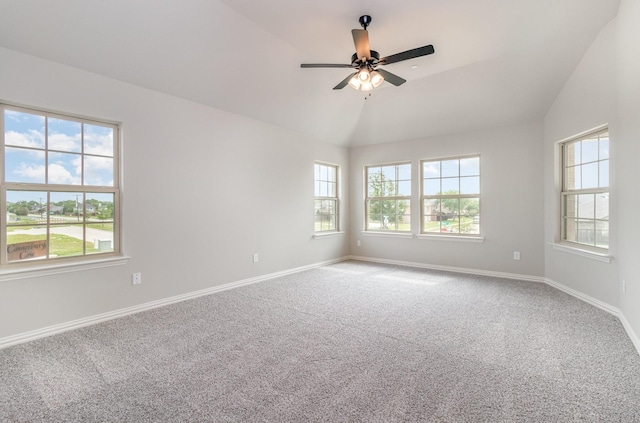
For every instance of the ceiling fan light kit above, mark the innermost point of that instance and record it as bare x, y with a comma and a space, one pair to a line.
365, 61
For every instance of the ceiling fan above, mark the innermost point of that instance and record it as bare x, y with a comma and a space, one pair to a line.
366, 61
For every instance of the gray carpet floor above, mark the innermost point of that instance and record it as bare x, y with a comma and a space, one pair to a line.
350, 342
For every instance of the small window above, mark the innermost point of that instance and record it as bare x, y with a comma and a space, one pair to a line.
59, 187
451, 196
326, 197
585, 190
388, 200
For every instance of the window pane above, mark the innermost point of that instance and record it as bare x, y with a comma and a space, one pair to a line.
65, 169
590, 150
571, 205
604, 146
431, 211
602, 234
604, 174
431, 186
469, 207
450, 207
26, 243
450, 186
26, 207
24, 165
573, 179
470, 185
404, 172
450, 168
331, 173
67, 240
431, 170
451, 225
586, 206
374, 214
389, 173
573, 154
404, 188
64, 135
23, 129
98, 140
590, 175
402, 216
571, 230
602, 206
332, 189
586, 232
374, 182
470, 166
98, 171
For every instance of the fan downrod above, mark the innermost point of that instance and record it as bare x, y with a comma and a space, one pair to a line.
365, 21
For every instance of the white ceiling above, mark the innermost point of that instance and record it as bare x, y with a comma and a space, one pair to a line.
496, 62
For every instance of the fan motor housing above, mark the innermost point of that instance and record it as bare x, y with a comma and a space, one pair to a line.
375, 58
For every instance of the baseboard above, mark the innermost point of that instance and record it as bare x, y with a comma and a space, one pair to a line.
452, 269
99, 318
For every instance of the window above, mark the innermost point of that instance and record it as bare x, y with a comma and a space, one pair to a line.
326, 192
585, 190
59, 187
388, 201
451, 196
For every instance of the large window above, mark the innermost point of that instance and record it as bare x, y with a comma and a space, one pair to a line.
59, 187
388, 200
451, 196
326, 201
585, 190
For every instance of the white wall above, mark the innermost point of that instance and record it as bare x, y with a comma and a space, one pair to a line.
511, 201
202, 191
586, 101
605, 88
628, 141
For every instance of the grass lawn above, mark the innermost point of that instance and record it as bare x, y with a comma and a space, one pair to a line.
60, 245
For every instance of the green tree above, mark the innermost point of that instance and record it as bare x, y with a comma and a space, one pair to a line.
105, 212
391, 209
459, 206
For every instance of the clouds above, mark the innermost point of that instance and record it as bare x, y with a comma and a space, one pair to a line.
57, 151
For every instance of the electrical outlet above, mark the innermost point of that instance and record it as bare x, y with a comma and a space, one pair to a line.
358, 243
136, 278
624, 286
256, 257
516, 255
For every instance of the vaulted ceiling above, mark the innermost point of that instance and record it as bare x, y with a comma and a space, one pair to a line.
497, 61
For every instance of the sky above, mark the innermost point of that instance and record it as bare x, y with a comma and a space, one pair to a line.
74, 151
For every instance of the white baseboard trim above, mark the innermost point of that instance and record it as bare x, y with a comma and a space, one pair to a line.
452, 269
99, 318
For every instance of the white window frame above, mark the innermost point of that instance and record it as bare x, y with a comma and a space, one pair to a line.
602, 163
395, 197
93, 258
424, 197
329, 186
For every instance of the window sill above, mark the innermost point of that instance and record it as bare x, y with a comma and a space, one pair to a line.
603, 257
53, 269
457, 238
388, 234
327, 234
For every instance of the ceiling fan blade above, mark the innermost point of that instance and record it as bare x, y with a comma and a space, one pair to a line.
324, 65
409, 54
391, 78
344, 82
361, 40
